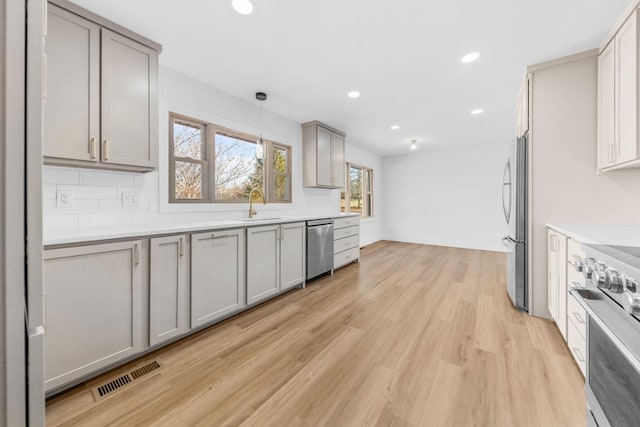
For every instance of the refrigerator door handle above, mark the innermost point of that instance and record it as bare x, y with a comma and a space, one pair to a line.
506, 187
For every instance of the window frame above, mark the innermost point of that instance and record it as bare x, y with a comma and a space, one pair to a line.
208, 163
367, 190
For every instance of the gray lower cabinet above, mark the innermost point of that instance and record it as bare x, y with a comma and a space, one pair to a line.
167, 288
101, 108
292, 255
275, 259
263, 262
93, 308
217, 275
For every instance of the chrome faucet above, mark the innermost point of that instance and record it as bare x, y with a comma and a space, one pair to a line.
252, 211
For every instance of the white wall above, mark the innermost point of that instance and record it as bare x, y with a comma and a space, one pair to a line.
98, 194
446, 197
370, 228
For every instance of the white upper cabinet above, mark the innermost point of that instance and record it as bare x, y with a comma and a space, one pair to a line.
323, 155
101, 107
606, 107
618, 98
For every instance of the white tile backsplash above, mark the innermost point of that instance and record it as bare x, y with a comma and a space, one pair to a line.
108, 179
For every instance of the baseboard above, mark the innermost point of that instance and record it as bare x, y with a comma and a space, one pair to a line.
454, 244
370, 241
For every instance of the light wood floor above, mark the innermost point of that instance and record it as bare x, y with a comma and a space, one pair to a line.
412, 335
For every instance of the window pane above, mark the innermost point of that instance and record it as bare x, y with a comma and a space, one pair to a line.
355, 190
281, 188
343, 202
188, 180
237, 169
280, 160
187, 140
369, 205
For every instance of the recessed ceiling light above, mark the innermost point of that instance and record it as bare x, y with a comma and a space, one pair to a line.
353, 94
395, 127
413, 145
477, 111
243, 7
470, 57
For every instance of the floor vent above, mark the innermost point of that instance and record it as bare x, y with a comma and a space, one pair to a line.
114, 385
145, 370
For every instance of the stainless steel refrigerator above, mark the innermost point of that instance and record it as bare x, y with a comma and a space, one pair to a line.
514, 203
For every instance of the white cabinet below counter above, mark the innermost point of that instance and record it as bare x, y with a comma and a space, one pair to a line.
346, 243
275, 259
217, 275
93, 308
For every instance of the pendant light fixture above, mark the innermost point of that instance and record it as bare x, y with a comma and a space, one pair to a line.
260, 96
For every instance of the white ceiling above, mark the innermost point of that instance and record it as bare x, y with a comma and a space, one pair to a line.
402, 55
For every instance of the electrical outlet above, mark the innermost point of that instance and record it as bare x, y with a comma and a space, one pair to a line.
130, 200
64, 198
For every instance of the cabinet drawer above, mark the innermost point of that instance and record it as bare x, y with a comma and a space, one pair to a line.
346, 243
574, 277
345, 232
577, 315
345, 222
346, 257
577, 346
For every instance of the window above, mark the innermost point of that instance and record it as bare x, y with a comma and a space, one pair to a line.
209, 163
358, 193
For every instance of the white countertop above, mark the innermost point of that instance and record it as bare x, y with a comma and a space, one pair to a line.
125, 232
600, 234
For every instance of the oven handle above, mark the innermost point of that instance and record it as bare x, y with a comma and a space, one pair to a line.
614, 339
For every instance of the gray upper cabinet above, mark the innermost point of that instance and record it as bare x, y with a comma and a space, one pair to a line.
93, 308
217, 275
167, 288
73, 89
323, 156
292, 259
101, 107
263, 262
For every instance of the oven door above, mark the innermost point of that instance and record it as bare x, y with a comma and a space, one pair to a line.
613, 379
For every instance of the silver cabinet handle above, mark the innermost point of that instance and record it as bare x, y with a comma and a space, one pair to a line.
181, 247
578, 354
93, 148
136, 254
578, 318
105, 150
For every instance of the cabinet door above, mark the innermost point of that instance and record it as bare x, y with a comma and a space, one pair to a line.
606, 107
552, 279
337, 161
292, 255
129, 101
562, 284
92, 308
217, 278
263, 262
626, 81
72, 108
167, 289
323, 157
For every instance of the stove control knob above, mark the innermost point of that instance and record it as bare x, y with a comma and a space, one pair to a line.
578, 263
631, 303
598, 278
587, 269
629, 284
613, 281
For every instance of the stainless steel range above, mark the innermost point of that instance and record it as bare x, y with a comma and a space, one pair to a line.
612, 301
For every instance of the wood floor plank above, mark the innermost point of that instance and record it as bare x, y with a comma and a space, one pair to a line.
411, 335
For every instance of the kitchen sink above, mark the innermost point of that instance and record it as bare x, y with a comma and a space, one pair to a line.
272, 218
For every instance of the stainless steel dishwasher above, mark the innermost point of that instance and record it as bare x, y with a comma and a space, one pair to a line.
319, 247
